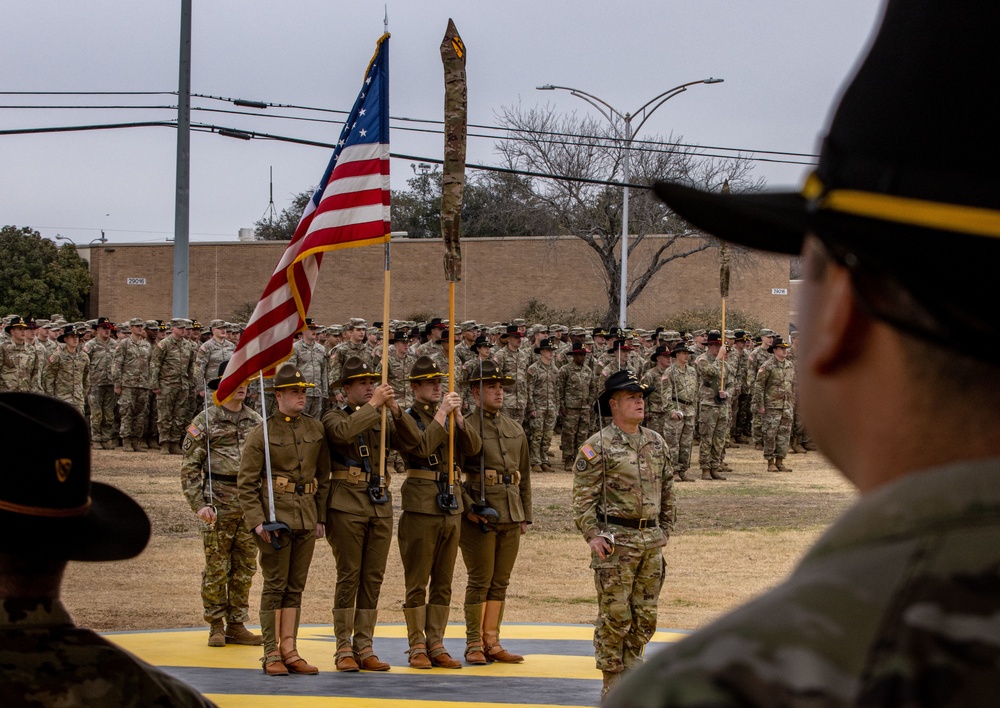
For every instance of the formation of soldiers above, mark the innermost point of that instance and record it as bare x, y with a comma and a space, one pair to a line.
142, 381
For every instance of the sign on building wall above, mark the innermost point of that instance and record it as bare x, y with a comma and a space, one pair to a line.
779, 291
135, 281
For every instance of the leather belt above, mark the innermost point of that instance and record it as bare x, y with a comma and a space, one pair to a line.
633, 523
422, 474
283, 485
351, 474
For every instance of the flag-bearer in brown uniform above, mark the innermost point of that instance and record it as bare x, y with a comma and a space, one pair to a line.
489, 549
359, 511
300, 473
430, 524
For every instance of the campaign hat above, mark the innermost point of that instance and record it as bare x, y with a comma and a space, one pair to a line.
425, 369
15, 321
660, 351
356, 368
47, 498
489, 371
778, 343
288, 376
549, 344
624, 380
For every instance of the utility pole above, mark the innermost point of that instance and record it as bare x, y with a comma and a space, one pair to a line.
182, 203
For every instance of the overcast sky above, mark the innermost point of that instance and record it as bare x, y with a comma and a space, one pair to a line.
783, 62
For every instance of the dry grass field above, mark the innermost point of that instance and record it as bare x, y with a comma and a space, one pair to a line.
734, 539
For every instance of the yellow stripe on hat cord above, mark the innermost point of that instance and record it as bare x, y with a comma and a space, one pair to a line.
904, 210
44, 511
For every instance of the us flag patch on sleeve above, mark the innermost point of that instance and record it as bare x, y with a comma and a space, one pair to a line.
193, 430
588, 452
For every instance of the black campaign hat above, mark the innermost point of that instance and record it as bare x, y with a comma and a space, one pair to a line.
67, 331
624, 380
658, 352
778, 343
489, 371
16, 321
47, 500
481, 342
549, 344
214, 383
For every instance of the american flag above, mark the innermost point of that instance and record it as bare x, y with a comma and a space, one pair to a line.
350, 208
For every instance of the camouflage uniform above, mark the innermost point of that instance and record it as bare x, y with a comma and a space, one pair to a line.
576, 397
20, 367
657, 407
543, 401
399, 370
230, 552
102, 389
170, 372
633, 474
514, 364
130, 374
713, 414
757, 358
207, 360
67, 377
47, 661
896, 604
340, 354
775, 392
310, 359
680, 388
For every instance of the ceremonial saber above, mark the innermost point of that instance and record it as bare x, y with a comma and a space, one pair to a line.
452, 185
274, 527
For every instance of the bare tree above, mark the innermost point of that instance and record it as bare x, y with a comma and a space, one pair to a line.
543, 141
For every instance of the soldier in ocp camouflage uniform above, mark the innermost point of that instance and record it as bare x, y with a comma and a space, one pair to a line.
575, 392
130, 377
170, 367
543, 405
210, 355
657, 405
757, 358
680, 390
353, 345
774, 401
713, 405
309, 357
209, 484
20, 367
101, 350
512, 361
624, 506
67, 373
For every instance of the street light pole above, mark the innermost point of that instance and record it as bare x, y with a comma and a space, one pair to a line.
644, 112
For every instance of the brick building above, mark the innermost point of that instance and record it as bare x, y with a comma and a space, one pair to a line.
500, 277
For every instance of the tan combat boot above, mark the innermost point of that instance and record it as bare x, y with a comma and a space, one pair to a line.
492, 618
781, 467
364, 634
139, 444
683, 476
610, 679
437, 624
237, 633
217, 634
717, 474
288, 633
706, 473
473, 634
343, 627
771, 467
128, 445
796, 447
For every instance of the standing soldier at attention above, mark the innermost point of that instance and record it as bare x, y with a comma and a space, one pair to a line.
774, 401
464, 350
359, 512
101, 350
680, 391
300, 476
67, 373
512, 361
481, 349
210, 356
623, 501
353, 345
309, 357
576, 397
170, 368
713, 413
658, 405
500, 475
757, 358
20, 367
130, 376
430, 525
400, 363
543, 404
210, 486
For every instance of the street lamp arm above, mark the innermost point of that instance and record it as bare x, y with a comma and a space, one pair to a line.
662, 98
607, 111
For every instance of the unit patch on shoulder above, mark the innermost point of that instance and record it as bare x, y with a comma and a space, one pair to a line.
581, 465
193, 430
588, 452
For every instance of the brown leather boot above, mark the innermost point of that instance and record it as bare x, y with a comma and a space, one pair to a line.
273, 665
491, 635
473, 635
364, 633
271, 661
781, 467
416, 622
437, 625
442, 659
343, 627
237, 633
217, 634
771, 467
418, 657
288, 629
